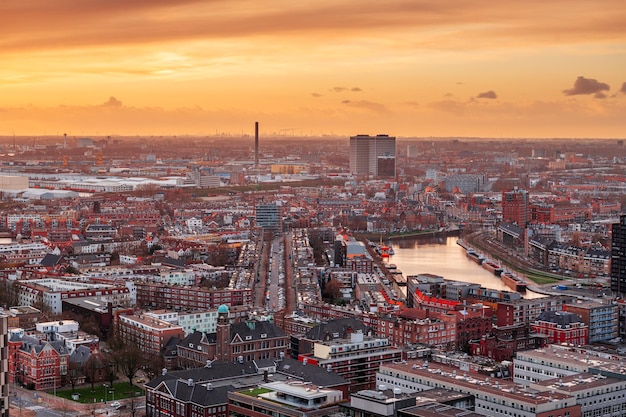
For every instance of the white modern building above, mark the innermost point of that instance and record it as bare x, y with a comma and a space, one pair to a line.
493, 397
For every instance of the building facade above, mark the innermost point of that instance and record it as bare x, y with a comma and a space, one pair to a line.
365, 151
356, 359
515, 207
618, 257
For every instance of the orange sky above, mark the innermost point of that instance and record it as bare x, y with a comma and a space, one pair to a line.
532, 68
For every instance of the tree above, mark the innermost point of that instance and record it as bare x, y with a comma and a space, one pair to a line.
153, 365
129, 360
73, 374
111, 375
332, 289
94, 368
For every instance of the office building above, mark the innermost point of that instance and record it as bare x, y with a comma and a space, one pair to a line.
492, 396
618, 257
365, 151
269, 218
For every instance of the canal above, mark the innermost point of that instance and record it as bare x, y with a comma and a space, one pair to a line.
442, 256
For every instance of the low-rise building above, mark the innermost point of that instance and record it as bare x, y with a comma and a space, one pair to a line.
492, 396
562, 327
356, 359
149, 334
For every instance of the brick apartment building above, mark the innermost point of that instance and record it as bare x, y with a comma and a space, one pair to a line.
159, 296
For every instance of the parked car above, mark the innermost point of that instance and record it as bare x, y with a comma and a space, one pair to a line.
115, 405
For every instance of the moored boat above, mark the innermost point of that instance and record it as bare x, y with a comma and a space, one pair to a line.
474, 256
513, 282
492, 267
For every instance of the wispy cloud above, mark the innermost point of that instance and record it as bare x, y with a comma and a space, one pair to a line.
62, 24
345, 89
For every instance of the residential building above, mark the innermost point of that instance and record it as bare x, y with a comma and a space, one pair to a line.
356, 359
524, 311
465, 183
149, 334
618, 257
601, 319
50, 292
4, 366
515, 207
158, 296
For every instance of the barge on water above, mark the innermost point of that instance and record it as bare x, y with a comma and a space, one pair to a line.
513, 282
474, 256
492, 267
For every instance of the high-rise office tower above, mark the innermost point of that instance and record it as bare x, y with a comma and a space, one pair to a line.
365, 151
618, 257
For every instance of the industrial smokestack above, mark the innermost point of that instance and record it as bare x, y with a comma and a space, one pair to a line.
256, 145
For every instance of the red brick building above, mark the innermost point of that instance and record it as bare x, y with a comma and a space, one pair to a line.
562, 327
149, 334
515, 207
159, 296
503, 342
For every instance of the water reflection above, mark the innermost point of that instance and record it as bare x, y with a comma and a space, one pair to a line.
442, 256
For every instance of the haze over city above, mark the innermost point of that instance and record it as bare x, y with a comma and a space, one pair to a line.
410, 68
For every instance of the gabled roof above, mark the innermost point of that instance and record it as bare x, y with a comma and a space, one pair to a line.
191, 385
254, 330
338, 328
51, 260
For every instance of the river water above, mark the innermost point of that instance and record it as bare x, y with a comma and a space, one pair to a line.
442, 256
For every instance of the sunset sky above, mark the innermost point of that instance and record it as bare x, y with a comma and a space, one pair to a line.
533, 68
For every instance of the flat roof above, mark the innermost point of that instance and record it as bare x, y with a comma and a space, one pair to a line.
475, 381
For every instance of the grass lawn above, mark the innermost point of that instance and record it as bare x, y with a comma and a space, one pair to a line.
538, 279
122, 390
256, 391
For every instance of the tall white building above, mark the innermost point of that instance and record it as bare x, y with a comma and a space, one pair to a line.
365, 151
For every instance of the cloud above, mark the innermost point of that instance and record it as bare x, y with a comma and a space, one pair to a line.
599, 95
344, 89
488, 94
623, 89
367, 105
316, 95
584, 85
112, 102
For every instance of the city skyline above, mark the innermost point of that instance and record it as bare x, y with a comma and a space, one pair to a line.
459, 68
